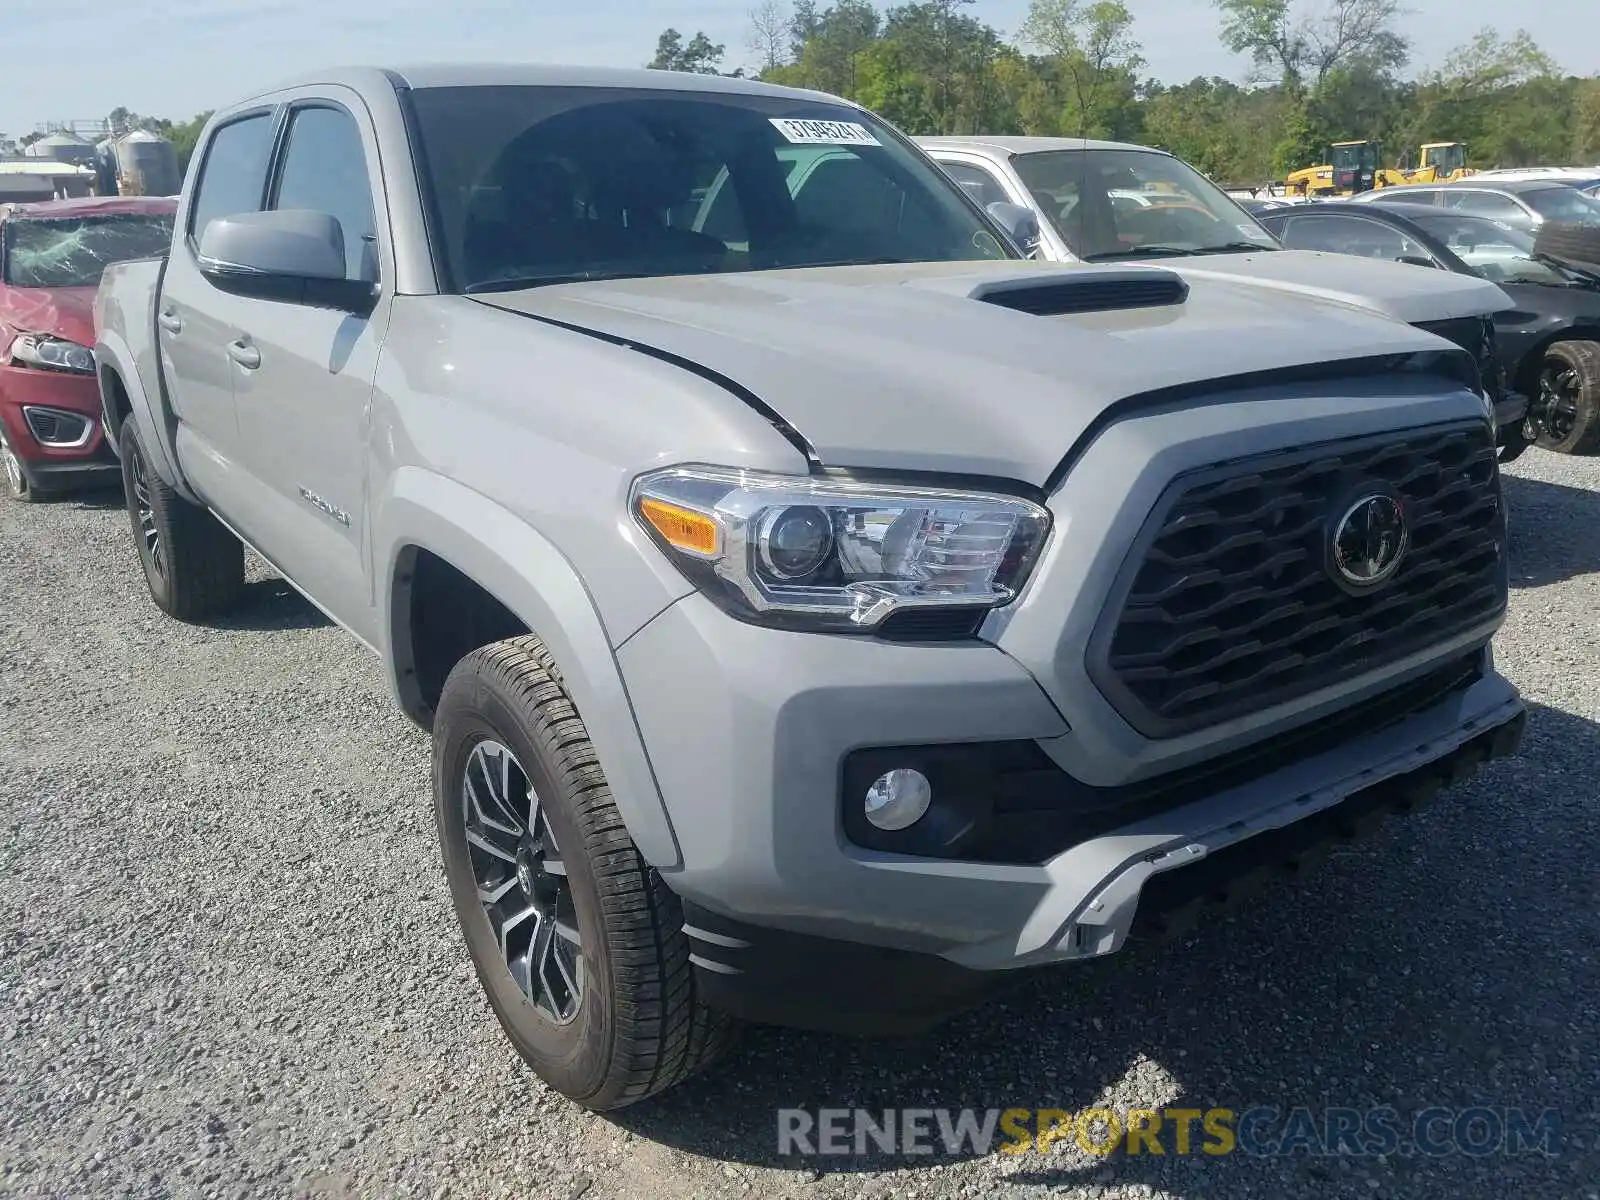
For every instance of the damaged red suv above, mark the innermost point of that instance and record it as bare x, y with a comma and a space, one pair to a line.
51, 257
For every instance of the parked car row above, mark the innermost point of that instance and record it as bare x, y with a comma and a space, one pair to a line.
821, 610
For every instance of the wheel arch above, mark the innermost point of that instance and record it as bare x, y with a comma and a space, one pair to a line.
123, 398
459, 572
1533, 357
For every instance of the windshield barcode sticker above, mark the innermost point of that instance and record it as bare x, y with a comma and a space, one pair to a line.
824, 133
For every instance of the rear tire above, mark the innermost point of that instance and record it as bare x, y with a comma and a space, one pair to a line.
605, 1010
1567, 390
193, 565
12, 479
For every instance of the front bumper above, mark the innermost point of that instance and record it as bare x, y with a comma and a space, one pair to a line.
55, 467
772, 976
748, 728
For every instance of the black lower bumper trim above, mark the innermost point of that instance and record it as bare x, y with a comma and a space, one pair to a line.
1173, 902
776, 977
63, 474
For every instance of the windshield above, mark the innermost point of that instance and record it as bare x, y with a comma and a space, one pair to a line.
1352, 158
1565, 204
55, 253
1495, 251
535, 185
1135, 204
1445, 158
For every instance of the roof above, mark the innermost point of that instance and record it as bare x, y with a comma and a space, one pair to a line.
421, 76
1023, 145
41, 166
91, 206
1473, 183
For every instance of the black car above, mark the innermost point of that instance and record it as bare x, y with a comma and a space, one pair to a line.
1549, 344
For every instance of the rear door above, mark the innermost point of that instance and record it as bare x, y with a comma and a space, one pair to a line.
303, 388
195, 321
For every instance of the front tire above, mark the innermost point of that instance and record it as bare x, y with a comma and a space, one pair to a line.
193, 565
576, 940
1568, 398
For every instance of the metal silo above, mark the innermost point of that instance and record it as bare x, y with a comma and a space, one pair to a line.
63, 147
105, 167
147, 165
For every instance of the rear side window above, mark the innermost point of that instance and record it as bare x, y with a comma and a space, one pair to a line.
234, 173
325, 170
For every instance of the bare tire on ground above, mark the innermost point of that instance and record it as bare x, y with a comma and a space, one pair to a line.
192, 562
1568, 398
576, 940
12, 479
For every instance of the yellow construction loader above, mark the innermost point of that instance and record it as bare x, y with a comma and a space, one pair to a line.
1352, 167
1440, 162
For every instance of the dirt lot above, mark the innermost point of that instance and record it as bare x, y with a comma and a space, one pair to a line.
228, 964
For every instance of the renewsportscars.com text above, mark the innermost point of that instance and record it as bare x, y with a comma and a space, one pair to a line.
1261, 1131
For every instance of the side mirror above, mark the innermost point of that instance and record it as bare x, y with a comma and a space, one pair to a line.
291, 255
1020, 222
1416, 260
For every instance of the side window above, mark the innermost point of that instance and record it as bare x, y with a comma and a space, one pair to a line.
978, 183
1487, 204
234, 172
1346, 235
325, 170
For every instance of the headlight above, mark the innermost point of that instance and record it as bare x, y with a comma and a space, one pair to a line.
816, 553
52, 354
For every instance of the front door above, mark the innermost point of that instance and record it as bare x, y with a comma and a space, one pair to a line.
195, 321
303, 377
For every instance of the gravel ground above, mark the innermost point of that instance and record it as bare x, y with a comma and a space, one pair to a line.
229, 965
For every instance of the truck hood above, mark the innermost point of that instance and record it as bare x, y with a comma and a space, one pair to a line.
61, 312
901, 367
1400, 290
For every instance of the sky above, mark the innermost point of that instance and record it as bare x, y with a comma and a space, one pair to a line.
78, 59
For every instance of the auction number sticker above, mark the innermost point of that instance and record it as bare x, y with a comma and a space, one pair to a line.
824, 133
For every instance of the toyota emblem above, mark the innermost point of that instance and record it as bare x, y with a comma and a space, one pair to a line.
1370, 541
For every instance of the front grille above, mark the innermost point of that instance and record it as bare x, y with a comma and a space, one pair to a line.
1229, 602
1475, 335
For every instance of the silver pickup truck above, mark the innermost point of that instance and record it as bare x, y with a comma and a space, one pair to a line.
820, 612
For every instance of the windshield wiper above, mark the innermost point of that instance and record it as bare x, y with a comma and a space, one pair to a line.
1235, 248
518, 283
1141, 252
1589, 278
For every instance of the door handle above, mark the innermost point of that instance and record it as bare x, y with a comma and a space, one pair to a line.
170, 321
243, 353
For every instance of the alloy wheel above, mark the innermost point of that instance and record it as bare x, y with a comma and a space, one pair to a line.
12, 468
522, 881
144, 513
1559, 387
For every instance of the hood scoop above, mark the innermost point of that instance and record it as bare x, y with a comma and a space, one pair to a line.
1084, 290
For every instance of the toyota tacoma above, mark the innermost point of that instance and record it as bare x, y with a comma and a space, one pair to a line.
821, 613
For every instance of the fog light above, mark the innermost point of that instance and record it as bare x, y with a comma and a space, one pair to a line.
897, 799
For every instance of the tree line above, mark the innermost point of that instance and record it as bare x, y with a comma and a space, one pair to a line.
1321, 71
